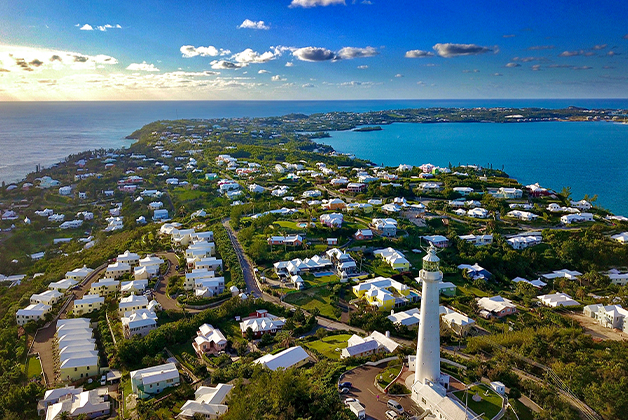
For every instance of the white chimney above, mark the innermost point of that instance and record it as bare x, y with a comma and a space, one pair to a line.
387, 334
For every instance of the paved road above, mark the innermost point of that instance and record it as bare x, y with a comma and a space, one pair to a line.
160, 292
44, 338
247, 268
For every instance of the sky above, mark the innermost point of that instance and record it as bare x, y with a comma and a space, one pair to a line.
56, 50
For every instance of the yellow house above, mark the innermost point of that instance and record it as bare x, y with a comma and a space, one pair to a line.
88, 304
385, 293
76, 368
104, 287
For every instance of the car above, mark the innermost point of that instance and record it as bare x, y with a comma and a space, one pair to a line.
391, 415
103, 380
395, 406
350, 400
344, 385
344, 390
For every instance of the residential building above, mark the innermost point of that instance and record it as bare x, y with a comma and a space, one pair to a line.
522, 242
557, 299
33, 312
496, 306
356, 187
332, 220
385, 293
478, 240
132, 303
581, 205
508, 193
478, 213
410, 318
153, 380
534, 283
610, 316
394, 258
130, 258
385, 227
335, 204
459, 323
52, 396
438, 241
210, 264
363, 346
49, 297
209, 403
92, 404
621, 237
117, 270
139, 322
209, 340
292, 357
576, 218
464, 191
261, 322
89, 303
104, 287
564, 273
78, 274
364, 234
316, 264
62, 285
475, 271
78, 357
522, 215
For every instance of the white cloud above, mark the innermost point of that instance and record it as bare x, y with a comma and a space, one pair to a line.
278, 78
348, 53
307, 85
263, 72
536, 67
314, 3
419, 54
364, 67
497, 74
314, 54
513, 65
398, 75
250, 24
20, 59
454, 50
226, 65
289, 64
102, 28
250, 56
188, 51
143, 66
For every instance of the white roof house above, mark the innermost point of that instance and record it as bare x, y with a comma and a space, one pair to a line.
153, 380
621, 237
33, 312
538, 283
132, 303
133, 286
497, 306
361, 346
410, 318
557, 299
292, 357
139, 322
564, 273
62, 285
117, 270
78, 273
209, 402
128, 257
94, 403
49, 297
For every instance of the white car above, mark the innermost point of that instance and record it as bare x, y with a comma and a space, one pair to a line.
348, 400
391, 415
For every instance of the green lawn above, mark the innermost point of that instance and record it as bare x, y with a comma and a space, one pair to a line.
389, 374
490, 405
314, 281
33, 367
319, 297
327, 345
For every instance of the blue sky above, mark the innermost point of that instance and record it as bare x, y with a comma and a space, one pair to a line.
312, 49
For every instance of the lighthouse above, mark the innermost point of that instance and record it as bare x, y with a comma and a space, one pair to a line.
428, 343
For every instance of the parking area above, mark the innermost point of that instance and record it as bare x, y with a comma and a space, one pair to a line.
597, 331
374, 401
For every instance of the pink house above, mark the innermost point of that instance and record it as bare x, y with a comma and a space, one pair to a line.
209, 340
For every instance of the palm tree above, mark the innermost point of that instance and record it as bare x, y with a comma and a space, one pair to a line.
64, 415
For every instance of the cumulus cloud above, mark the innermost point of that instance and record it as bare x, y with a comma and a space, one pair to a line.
418, 54
86, 27
188, 51
226, 65
454, 50
574, 53
364, 67
398, 75
513, 65
600, 46
308, 85
314, 54
143, 66
38, 59
101, 28
315, 3
250, 56
536, 67
250, 24
289, 64
278, 78
348, 53
263, 72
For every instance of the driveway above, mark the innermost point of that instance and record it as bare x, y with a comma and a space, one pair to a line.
44, 338
247, 268
374, 401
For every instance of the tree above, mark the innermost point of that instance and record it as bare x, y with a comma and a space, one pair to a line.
249, 333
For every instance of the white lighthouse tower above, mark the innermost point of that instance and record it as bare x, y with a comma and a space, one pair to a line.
429, 389
428, 343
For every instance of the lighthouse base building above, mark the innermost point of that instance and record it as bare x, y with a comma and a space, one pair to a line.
429, 385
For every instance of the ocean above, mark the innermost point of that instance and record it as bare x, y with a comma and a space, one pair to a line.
586, 156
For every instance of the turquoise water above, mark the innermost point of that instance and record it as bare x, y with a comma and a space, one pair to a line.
589, 157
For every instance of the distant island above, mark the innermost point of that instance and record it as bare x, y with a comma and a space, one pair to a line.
366, 129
